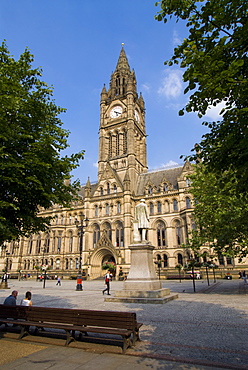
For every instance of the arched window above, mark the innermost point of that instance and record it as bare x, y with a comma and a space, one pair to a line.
178, 233
180, 259
70, 219
70, 242
165, 259
107, 209
96, 210
101, 190
119, 235
188, 202
59, 243
151, 209
76, 264
51, 263
161, 234
71, 264
165, 187
38, 244
66, 264
175, 205
115, 188
30, 245
108, 188
118, 207
166, 206
150, 190
96, 234
159, 208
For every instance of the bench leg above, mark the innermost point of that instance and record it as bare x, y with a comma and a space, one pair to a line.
136, 336
126, 344
24, 332
69, 337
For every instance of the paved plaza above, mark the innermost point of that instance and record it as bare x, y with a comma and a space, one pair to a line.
202, 330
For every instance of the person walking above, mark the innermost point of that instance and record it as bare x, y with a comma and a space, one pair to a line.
27, 300
107, 279
11, 299
244, 277
58, 281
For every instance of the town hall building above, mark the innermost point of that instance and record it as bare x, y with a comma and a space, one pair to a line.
107, 206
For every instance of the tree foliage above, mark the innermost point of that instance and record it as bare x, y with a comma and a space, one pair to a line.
215, 63
32, 170
220, 213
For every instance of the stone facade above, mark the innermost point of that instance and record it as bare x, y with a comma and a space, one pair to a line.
123, 179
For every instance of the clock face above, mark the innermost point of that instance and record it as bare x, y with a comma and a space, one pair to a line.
137, 117
116, 111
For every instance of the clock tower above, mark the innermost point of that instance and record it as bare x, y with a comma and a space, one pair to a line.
122, 136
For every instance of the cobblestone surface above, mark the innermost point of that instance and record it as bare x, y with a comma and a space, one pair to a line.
206, 329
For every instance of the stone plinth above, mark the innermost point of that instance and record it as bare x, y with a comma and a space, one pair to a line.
142, 284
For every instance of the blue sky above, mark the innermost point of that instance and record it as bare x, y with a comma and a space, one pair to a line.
77, 44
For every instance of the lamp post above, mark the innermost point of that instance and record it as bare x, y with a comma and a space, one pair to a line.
44, 268
81, 225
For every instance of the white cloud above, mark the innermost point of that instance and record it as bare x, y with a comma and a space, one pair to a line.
176, 40
172, 84
214, 112
145, 87
169, 164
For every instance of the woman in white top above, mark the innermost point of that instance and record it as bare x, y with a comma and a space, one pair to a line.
27, 300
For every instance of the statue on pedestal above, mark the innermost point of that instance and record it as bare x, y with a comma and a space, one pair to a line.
141, 222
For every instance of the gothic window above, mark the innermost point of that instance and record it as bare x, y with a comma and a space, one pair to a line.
118, 207
159, 208
62, 220
47, 243
30, 245
165, 259
108, 188
151, 209
59, 244
119, 235
125, 142
150, 190
38, 244
96, 211
107, 228
51, 263
56, 220
66, 264
70, 242
70, 219
180, 259
178, 233
96, 234
175, 205
188, 202
165, 187
115, 188
71, 264
161, 234
76, 263
107, 209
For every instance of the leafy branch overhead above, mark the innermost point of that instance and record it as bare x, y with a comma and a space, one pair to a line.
215, 63
33, 172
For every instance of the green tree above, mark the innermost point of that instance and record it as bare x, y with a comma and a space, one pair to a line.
215, 62
214, 56
33, 173
220, 214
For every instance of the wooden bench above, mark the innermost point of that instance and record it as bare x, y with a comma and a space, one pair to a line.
123, 324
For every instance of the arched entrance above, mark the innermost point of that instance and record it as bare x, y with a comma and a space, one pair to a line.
98, 258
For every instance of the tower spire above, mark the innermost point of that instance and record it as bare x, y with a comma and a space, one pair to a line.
122, 64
